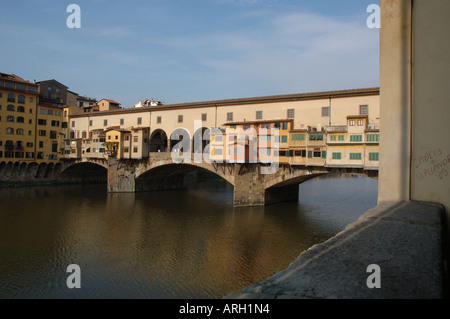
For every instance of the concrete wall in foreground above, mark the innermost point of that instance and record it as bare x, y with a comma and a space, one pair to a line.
415, 102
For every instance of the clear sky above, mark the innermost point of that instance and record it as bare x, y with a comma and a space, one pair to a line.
179, 51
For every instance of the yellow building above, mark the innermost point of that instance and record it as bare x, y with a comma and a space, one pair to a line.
354, 145
18, 100
50, 133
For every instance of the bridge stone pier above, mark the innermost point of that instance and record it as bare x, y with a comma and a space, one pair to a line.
252, 185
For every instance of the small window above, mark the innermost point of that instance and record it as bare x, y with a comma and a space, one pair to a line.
229, 116
105, 122
122, 121
351, 123
158, 120
325, 111
259, 115
290, 113
363, 109
180, 118
139, 121
204, 117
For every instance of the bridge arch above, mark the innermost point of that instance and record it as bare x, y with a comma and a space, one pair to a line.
159, 141
166, 174
85, 172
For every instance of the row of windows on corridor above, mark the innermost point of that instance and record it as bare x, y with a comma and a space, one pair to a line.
230, 117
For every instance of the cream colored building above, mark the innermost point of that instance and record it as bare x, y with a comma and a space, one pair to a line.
310, 111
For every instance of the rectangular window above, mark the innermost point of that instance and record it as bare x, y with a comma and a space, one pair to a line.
158, 120
355, 156
360, 122
126, 150
284, 139
290, 113
325, 111
229, 117
259, 115
42, 122
135, 139
204, 116
374, 157
122, 121
298, 137
217, 151
373, 137
316, 136
50, 112
310, 154
351, 123
180, 118
332, 137
363, 109
139, 121
55, 148
105, 122
218, 138
355, 138
42, 132
135, 150
284, 126
341, 137
73, 124
336, 156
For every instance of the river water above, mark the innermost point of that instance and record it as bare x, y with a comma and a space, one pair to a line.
186, 244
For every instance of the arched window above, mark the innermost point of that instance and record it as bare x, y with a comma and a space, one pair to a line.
11, 107
21, 109
10, 118
11, 97
20, 120
21, 99
20, 131
10, 131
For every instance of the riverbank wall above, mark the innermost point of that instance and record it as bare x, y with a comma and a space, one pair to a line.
394, 251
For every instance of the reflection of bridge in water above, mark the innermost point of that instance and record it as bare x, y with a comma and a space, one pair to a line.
160, 172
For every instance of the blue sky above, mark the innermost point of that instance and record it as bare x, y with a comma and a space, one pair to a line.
179, 51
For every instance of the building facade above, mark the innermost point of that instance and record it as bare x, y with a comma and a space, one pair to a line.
18, 106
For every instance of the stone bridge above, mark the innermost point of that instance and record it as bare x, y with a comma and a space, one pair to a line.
251, 187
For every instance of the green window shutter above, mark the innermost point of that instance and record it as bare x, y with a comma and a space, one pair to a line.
310, 154
298, 137
333, 138
341, 137
324, 154
336, 156
374, 157
284, 139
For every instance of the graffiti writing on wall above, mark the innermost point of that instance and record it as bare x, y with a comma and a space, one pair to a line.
433, 163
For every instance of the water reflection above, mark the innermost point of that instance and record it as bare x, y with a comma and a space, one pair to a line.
175, 244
